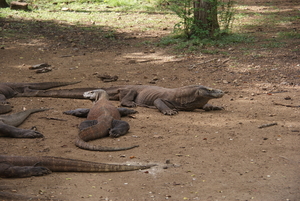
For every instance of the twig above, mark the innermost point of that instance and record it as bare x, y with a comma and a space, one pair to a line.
204, 62
289, 159
267, 125
286, 105
52, 118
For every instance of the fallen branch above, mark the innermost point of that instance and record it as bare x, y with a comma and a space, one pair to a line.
286, 105
267, 125
276, 92
204, 62
52, 118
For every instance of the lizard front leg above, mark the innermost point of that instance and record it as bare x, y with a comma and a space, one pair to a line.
127, 98
209, 107
125, 111
118, 128
9, 170
164, 108
11, 131
80, 112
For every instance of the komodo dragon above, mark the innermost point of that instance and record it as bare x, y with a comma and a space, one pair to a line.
103, 119
27, 166
166, 100
8, 125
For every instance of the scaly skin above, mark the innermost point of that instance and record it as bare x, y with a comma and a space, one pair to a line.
26, 166
103, 119
8, 123
9, 90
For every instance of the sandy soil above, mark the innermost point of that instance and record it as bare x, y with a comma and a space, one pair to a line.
218, 155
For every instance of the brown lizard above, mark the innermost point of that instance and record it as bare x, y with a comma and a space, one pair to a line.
103, 119
9, 123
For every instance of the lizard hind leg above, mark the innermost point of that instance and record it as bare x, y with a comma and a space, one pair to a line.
87, 123
118, 128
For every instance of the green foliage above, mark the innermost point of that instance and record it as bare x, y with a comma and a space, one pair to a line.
273, 44
290, 34
226, 14
204, 45
190, 28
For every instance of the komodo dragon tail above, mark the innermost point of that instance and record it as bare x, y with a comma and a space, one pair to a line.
85, 145
39, 85
57, 164
76, 93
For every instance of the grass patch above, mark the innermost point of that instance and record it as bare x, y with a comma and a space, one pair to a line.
111, 18
200, 44
273, 44
289, 35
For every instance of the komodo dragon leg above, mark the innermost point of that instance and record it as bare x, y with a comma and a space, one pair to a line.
80, 112
11, 131
127, 97
119, 127
209, 107
164, 107
8, 123
9, 170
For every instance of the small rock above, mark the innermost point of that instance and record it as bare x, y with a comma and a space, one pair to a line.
132, 61
284, 83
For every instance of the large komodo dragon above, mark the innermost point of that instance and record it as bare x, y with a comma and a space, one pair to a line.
103, 119
168, 101
27, 166
8, 123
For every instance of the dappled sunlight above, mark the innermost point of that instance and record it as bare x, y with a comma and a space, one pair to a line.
148, 57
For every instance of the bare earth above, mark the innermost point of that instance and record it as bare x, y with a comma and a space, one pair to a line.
218, 155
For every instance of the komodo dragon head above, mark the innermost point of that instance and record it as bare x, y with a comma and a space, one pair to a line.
96, 95
203, 91
195, 96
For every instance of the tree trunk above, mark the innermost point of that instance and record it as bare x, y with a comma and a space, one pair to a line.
206, 17
3, 4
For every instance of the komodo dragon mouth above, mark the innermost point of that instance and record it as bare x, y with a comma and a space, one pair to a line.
210, 92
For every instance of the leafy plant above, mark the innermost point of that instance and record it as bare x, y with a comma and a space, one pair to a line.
189, 25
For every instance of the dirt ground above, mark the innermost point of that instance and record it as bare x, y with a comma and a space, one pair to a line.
218, 155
